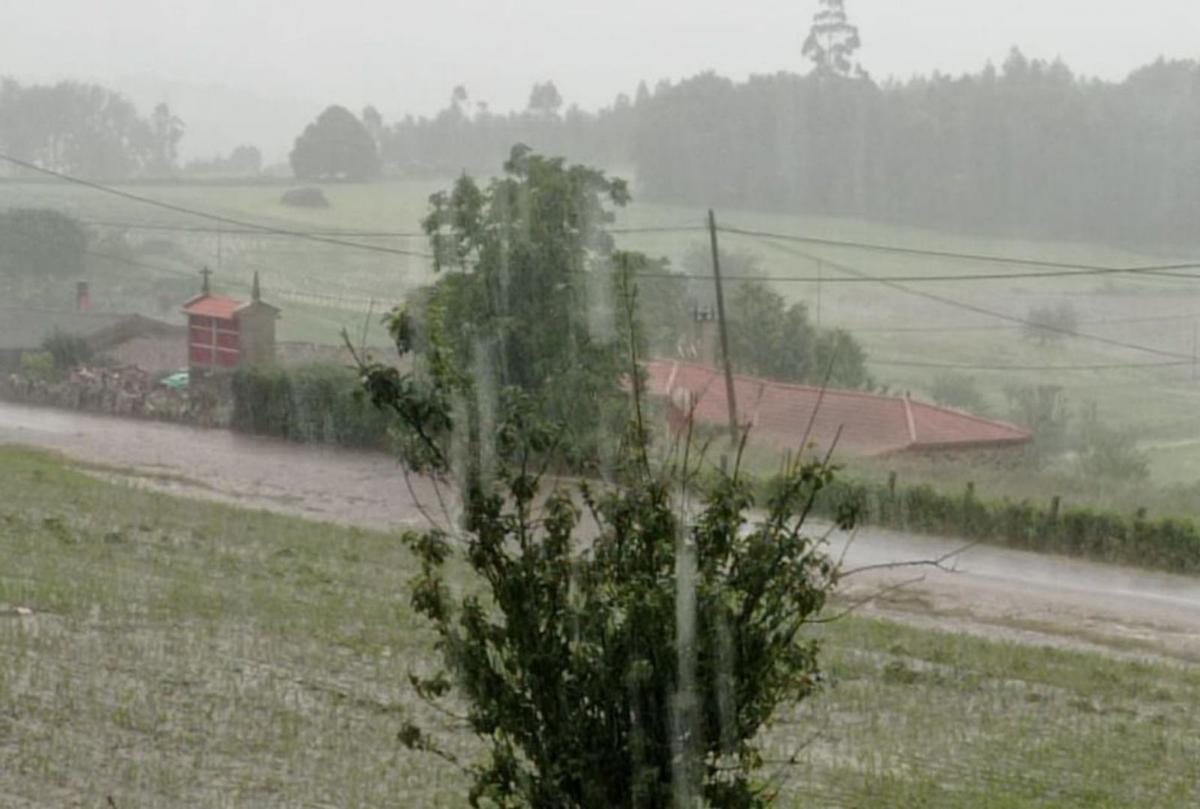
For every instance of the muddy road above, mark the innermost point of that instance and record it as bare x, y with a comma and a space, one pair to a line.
1025, 596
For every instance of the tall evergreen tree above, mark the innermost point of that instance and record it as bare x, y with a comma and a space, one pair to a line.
832, 40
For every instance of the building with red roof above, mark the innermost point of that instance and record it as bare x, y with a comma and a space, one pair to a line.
225, 333
781, 414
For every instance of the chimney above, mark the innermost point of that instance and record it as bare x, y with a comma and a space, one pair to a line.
83, 299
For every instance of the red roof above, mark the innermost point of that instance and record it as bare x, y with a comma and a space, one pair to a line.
213, 306
779, 413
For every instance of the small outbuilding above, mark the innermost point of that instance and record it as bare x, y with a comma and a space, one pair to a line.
226, 334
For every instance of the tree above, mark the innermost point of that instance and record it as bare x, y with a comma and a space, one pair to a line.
767, 337
629, 659
841, 360
832, 40
39, 242
166, 132
245, 159
81, 129
1043, 410
373, 121
335, 146
958, 391
527, 289
1109, 454
544, 100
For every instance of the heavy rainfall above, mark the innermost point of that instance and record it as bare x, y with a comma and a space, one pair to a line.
522, 405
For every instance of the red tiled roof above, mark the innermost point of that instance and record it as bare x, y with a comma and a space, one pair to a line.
779, 413
213, 306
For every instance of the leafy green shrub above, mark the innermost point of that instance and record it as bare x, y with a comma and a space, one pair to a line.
958, 391
68, 351
1109, 453
311, 404
1164, 544
636, 669
39, 366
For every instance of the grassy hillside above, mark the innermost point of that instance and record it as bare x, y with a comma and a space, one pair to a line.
169, 652
325, 288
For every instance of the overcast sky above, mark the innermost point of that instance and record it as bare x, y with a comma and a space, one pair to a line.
405, 56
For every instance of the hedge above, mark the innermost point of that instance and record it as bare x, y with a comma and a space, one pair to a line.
311, 404
1169, 544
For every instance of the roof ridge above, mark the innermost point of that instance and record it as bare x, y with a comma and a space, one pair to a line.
954, 411
786, 385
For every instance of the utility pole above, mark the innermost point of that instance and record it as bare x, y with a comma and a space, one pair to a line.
730, 396
1194, 336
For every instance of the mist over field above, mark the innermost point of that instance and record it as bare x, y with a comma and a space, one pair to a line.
728, 405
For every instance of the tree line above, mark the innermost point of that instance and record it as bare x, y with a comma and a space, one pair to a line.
1028, 148
85, 129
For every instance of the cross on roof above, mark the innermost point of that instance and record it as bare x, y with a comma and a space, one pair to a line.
204, 288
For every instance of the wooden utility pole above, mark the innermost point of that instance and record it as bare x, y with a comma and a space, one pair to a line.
730, 396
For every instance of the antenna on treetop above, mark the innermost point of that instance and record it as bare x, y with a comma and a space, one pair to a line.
204, 288
255, 292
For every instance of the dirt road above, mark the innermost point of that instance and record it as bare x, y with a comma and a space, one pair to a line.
1000, 591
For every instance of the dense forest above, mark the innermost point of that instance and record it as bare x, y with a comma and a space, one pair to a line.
1028, 148
86, 129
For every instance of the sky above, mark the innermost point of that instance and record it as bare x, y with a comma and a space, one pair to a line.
234, 69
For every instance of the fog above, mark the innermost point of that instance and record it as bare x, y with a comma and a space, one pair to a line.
293, 57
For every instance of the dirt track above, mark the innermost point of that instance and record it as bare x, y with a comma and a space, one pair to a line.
1012, 593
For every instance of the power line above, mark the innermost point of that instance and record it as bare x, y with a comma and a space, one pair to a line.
236, 231
965, 366
360, 234
1053, 269
970, 307
913, 279
965, 328
212, 216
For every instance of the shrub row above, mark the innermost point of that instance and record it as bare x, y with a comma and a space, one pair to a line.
311, 404
1162, 543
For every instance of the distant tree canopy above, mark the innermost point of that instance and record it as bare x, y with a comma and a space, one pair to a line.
244, 160
767, 336
85, 129
39, 242
544, 100
832, 40
336, 146
1028, 148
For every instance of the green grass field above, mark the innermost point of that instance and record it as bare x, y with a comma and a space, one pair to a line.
181, 653
324, 288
